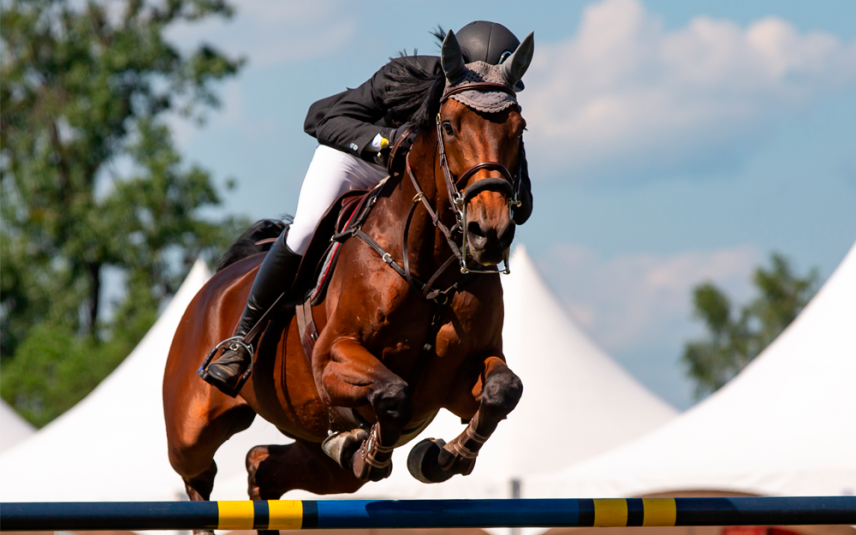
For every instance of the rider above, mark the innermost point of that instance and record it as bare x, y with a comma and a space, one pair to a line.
355, 131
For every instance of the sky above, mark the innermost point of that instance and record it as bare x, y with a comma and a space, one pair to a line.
670, 142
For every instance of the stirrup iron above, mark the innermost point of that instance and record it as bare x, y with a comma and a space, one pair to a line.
237, 341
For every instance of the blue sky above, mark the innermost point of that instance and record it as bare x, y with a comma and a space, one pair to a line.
670, 142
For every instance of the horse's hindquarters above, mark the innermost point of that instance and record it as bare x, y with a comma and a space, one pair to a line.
198, 417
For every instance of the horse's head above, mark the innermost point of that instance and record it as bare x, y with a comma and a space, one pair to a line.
483, 147
471, 138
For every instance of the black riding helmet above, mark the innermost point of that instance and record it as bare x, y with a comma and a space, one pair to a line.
487, 41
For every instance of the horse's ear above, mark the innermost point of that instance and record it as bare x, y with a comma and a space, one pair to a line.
452, 59
514, 67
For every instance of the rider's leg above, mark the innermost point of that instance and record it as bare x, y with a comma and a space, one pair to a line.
274, 277
330, 174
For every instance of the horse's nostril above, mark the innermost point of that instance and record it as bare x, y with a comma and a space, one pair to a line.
475, 229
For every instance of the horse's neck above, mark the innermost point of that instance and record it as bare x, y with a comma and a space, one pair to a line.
427, 244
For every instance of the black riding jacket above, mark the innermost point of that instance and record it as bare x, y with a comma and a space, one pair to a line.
350, 120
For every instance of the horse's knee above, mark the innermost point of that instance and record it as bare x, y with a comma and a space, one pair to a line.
502, 392
391, 403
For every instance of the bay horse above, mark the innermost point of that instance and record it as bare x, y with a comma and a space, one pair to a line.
392, 351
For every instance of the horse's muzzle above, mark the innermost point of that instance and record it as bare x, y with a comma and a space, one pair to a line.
489, 244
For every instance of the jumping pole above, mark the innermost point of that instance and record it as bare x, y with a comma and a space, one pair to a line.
344, 514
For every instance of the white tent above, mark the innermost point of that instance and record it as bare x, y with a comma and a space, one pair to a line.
786, 425
13, 428
577, 402
112, 445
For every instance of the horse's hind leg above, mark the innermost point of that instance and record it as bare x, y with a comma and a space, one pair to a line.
194, 435
199, 487
199, 419
274, 470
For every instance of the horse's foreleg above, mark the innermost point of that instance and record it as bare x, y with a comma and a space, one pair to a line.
352, 377
498, 391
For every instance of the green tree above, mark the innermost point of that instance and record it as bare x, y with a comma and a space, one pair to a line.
736, 335
85, 90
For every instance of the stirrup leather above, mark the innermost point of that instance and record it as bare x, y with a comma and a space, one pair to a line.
235, 342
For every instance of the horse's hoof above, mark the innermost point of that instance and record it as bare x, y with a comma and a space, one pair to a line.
423, 464
341, 446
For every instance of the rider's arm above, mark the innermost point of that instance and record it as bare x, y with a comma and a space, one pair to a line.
349, 125
355, 119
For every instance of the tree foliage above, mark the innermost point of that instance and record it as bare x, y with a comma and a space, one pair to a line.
84, 92
736, 335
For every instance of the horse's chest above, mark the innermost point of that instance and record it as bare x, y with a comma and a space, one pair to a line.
406, 333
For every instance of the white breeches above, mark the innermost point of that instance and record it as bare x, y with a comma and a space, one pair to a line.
330, 174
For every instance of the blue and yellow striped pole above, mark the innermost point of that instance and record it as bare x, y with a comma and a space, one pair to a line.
343, 514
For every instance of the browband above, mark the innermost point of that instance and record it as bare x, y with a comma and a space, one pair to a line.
477, 86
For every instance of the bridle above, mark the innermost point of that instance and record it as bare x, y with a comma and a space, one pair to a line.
509, 184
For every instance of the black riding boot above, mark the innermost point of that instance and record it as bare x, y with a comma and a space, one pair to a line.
275, 276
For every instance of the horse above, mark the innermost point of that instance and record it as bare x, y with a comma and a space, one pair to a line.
392, 350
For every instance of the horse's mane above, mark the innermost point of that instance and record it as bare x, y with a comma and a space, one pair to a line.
247, 244
414, 93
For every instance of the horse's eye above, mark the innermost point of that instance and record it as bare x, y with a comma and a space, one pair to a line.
447, 127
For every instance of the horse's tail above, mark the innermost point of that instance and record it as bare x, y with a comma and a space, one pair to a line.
256, 239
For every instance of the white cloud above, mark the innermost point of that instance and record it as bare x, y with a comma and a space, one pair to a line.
626, 98
643, 300
275, 32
